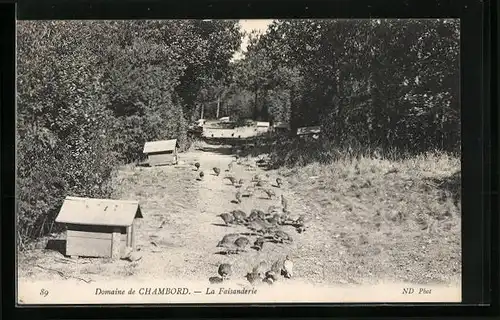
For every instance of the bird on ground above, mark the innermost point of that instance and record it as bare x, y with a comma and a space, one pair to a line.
274, 272
241, 182
228, 239
229, 247
288, 267
241, 243
197, 165
277, 266
217, 171
270, 193
253, 277
282, 236
238, 197
225, 271
255, 227
231, 179
230, 166
239, 215
300, 229
259, 213
259, 243
279, 182
273, 209
202, 175
249, 191
214, 280
284, 203
253, 215
260, 269
228, 218
275, 219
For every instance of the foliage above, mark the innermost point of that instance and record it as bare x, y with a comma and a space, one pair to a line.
90, 93
379, 83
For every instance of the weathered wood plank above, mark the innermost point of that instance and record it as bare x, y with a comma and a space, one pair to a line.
88, 234
116, 244
88, 247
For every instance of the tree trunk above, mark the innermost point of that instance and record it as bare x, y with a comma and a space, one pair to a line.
218, 107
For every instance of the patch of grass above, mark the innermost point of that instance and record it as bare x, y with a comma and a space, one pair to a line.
404, 214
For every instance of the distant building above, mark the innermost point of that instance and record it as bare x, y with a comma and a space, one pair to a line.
161, 152
99, 227
281, 127
313, 132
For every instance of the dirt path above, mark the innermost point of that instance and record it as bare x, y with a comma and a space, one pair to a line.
178, 236
187, 242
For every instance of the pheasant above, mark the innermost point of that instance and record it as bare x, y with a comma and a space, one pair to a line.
231, 179
282, 236
225, 271
279, 182
217, 171
288, 267
253, 215
258, 213
260, 269
197, 165
214, 280
239, 215
229, 247
259, 243
275, 271
270, 193
275, 220
253, 277
228, 218
238, 197
241, 243
228, 239
284, 203
272, 209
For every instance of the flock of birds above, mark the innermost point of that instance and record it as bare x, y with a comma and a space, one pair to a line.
264, 225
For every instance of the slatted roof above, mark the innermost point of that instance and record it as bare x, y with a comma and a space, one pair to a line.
160, 146
99, 212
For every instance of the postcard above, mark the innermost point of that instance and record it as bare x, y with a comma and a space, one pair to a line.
238, 161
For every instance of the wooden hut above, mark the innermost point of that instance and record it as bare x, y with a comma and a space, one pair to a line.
161, 152
281, 127
99, 227
313, 132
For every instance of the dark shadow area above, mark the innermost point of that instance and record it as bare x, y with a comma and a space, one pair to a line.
451, 184
220, 225
248, 234
220, 150
58, 245
225, 253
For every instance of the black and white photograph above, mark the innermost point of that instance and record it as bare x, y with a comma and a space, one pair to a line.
238, 161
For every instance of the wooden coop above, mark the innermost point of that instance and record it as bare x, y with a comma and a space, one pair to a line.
262, 126
312, 132
281, 127
161, 153
99, 227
